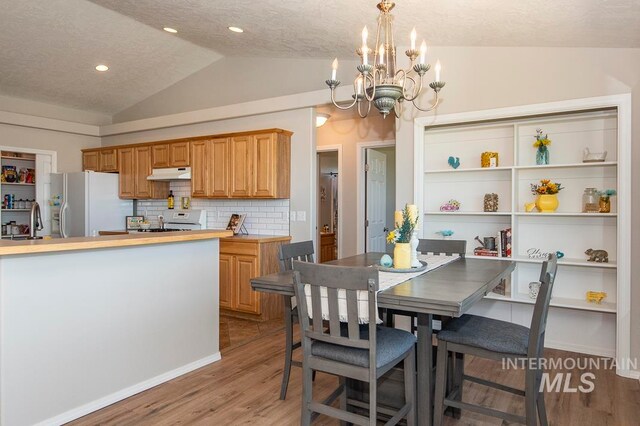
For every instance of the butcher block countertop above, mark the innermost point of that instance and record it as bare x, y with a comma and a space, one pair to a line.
8, 247
257, 238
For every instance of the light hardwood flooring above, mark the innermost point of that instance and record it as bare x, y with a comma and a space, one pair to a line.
243, 388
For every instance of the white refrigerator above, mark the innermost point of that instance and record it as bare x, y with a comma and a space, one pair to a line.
84, 203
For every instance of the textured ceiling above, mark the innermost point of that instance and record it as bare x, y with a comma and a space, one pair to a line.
313, 28
49, 48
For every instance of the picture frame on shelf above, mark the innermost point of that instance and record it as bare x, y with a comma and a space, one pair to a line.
132, 223
236, 224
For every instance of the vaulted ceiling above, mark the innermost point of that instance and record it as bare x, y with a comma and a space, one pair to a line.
49, 48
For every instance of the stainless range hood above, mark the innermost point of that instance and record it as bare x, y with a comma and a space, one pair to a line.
178, 173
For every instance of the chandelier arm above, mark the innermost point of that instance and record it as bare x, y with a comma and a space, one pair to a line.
368, 110
416, 93
372, 78
397, 109
333, 100
432, 107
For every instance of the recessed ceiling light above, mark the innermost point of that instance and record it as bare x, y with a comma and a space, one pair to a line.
102, 68
236, 29
321, 118
170, 30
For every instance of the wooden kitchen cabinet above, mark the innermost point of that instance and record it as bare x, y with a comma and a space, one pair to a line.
242, 154
134, 165
199, 174
108, 160
160, 156
243, 258
90, 161
218, 168
179, 154
328, 247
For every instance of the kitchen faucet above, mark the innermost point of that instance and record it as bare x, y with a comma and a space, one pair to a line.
35, 221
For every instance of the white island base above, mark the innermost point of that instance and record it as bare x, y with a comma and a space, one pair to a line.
82, 329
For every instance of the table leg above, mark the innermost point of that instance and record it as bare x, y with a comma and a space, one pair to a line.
425, 370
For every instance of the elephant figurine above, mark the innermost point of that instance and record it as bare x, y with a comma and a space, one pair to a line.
597, 255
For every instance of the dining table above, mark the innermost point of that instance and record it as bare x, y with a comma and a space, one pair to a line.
448, 291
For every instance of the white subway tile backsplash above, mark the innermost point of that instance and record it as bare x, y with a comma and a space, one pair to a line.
268, 217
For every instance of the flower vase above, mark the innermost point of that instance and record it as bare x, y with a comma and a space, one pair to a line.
542, 156
547, 203
415, 263
402, 256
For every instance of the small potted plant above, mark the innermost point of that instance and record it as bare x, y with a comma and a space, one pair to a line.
542, 143
546, 195
605, 200
401, 237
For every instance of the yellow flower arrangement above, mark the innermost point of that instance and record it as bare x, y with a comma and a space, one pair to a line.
546, 187
541, 140
391, 237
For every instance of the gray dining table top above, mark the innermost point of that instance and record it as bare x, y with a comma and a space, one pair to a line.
448, 290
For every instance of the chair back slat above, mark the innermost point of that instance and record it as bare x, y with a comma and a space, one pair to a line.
340, 283
446, 247
541, 310
302, 251
334, 314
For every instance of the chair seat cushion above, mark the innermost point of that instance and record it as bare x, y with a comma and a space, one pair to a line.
392, 345
486, 333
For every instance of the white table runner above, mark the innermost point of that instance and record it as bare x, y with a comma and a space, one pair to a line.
386, 281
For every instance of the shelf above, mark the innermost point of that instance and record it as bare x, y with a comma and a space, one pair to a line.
8, 237
561, 262
568, 165
6, 157
459, 213
566, 214
475, 169
17, 183
558, 302
16, 210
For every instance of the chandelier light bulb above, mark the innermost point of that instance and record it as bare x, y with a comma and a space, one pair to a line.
381, 53
334, 70
438, 69
413, 38
423, 52
365, 35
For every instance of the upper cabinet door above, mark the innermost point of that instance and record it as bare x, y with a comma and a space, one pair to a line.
179, 154
160, 156
199, 150
108, 160
218, 166
264, 184
90, 161
127, 174
142, 161
242, 160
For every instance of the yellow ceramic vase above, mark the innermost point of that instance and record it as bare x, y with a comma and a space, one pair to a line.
547, 203
402, 256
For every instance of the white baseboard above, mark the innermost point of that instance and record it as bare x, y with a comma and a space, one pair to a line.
589, 350
127, 392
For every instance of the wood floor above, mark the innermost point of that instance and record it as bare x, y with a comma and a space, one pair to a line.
243, 388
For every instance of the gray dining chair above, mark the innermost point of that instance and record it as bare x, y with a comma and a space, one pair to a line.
497, 340
348, 349
302, 251
429, 246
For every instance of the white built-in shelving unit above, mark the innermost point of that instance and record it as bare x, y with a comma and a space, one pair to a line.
574, 324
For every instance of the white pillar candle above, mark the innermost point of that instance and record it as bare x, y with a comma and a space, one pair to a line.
335, 69
438, 69
413, 39
423, 52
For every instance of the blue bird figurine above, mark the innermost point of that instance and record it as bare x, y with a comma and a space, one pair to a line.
454, 162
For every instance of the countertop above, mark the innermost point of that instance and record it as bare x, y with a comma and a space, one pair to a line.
8, 247
258, 238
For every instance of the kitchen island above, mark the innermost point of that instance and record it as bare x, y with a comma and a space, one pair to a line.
86, 322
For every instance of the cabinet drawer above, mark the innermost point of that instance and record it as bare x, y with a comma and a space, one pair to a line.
240, 248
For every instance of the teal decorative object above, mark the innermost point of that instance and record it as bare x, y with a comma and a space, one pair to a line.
559, 254
386, 261
454, 162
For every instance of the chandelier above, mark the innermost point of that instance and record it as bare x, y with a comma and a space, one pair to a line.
378, 80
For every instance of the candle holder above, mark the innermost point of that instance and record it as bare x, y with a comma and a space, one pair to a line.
332, 83
437, 85
412, 54
364, 69
421, 69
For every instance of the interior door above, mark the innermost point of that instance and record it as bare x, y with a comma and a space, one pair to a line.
376, 198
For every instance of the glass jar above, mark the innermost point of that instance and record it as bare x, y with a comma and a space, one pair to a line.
590, 201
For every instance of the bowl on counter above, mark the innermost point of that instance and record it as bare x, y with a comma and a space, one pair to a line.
145, 225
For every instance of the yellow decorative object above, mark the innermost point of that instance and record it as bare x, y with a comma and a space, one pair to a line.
397, 218
528, 207
413, 213
604, 205
547, 203
402, 256
596, 296
489, 159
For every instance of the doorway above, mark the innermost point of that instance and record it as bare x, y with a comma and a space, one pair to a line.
329, 203
379, 196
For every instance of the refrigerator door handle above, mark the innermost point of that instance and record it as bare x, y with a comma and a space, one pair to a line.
63, 217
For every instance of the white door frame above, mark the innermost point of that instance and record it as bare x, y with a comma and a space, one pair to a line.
360, 183
338, 149
623, 104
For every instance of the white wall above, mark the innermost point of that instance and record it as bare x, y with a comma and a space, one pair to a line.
485, 78
303, 154
41, 109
